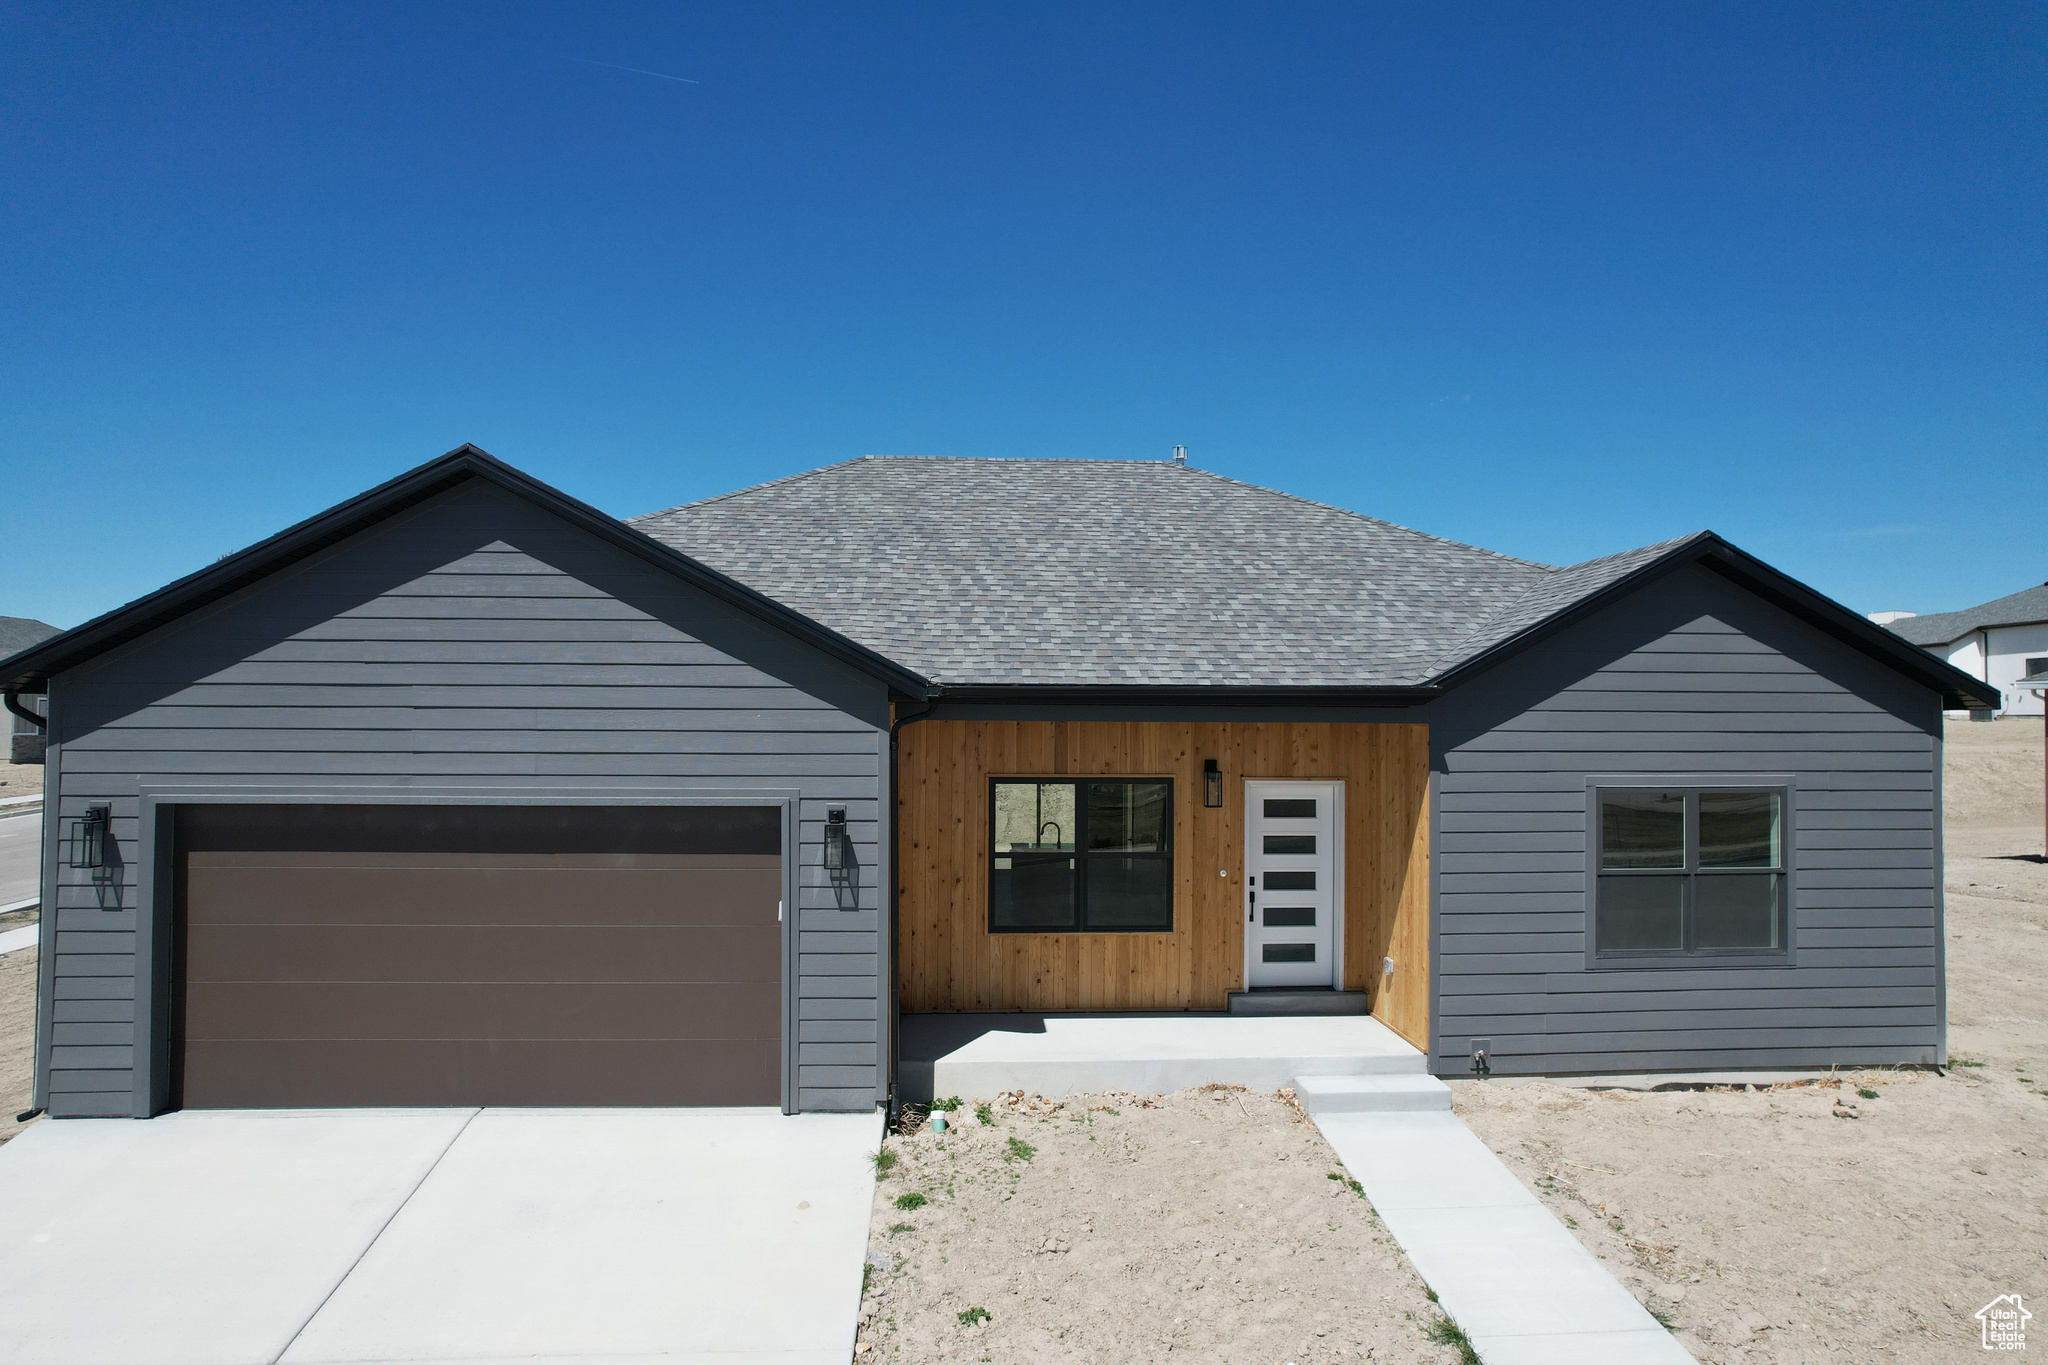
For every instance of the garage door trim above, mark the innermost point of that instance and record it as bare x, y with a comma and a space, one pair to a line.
157, 805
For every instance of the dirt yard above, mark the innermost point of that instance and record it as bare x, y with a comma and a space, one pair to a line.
20, 779
17, 983
17, 1029
1204, 1225
1816, 1222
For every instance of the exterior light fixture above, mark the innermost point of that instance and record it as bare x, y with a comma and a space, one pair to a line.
835, 839
89, 837
1212, 783
840, 868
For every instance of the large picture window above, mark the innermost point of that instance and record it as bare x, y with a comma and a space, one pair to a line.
1690, 872
1092, 855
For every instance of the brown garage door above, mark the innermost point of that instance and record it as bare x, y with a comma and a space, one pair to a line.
510, 955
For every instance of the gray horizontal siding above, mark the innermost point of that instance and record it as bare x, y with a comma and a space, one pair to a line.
1689, 677
475, 641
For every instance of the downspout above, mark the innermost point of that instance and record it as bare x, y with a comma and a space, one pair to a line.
10, 698
896, 723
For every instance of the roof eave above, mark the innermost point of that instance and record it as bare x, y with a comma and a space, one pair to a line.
1147, 694
1959, 691
30, 669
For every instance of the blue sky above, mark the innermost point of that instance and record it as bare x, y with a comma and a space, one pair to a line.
1555, 280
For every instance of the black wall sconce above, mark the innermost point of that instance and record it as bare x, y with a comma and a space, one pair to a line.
839, 863
89, 837
836, 840
1212, 783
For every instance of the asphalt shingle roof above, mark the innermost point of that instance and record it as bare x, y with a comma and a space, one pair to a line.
1556, 591
19, 632
2020, 608
1097, 572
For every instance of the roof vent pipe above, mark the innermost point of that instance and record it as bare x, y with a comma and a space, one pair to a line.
1180, 454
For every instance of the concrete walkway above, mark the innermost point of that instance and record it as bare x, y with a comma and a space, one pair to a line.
1522, 1287
734, 1236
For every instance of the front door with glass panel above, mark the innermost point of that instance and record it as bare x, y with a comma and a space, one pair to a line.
1292, 879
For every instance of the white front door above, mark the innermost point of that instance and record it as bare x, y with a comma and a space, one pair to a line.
1293, 882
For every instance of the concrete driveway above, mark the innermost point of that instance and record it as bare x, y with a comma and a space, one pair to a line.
462, 1235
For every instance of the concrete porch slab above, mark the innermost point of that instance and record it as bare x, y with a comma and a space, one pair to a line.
1149, 1054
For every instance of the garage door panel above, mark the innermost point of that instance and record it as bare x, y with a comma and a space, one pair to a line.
334, 1073
333, 894
493, 831
392, 1011
354, 952
348, 955
659, 862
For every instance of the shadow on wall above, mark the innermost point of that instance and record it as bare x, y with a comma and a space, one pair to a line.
87, 844
842, 865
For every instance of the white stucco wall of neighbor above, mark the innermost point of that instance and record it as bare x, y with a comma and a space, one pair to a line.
2013, 649
2001, 656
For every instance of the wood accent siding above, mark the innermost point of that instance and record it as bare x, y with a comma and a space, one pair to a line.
1690, 677
950, 961
473, 641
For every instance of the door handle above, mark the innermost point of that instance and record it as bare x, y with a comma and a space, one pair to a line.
1251, 908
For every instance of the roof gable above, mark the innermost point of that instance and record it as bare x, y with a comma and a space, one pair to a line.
1580, 590
29, 669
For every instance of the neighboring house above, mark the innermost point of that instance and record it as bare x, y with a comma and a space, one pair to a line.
464, 792
25, 737
2000, 641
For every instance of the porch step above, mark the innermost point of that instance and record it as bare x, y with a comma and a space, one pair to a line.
1298, 1003
1371, 1094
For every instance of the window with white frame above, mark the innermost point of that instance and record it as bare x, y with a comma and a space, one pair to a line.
1690, 871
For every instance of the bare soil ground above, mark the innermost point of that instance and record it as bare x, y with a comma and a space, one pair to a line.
1811, 1222
20, 779
1203, 1225
17, 983
17, 1029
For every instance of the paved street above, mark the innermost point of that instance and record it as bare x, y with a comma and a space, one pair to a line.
19, 836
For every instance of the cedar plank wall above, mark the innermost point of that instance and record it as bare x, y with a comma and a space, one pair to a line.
1689, 675
949, 961
474, 641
